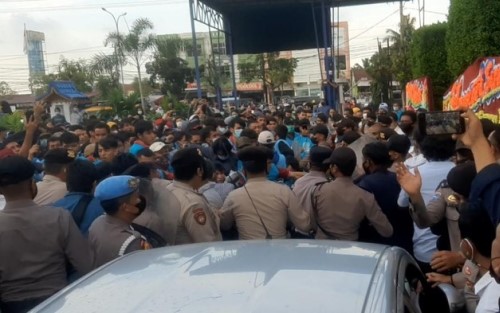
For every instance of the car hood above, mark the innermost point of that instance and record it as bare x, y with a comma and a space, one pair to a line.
240, 276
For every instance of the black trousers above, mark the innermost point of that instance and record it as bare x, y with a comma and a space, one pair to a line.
20, 306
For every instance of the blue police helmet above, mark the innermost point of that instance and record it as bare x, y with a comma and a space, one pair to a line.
116, 187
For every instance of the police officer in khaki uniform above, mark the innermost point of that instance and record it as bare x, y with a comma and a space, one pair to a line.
112, 235
261, 208
186, 213
340, 206
36, 242
304, 186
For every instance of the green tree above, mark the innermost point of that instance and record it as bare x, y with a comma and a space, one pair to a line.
77, 71
147, 89
400, 51
213, 76
167, 69
379, 67
473, 32
269, 68
429, 58
5, 89
135, 46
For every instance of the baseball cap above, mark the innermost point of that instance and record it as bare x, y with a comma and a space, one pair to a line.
14, 170
116, 187
266, 137
344, 158
318, 154
157, 146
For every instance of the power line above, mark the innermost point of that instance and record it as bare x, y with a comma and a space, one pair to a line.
92, 6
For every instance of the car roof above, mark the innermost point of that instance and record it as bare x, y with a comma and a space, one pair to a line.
236, 276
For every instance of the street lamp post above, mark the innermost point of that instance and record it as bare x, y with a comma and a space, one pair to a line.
117, 20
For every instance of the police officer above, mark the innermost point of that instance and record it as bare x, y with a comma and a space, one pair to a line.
340, 206
36, 242
186, 213
53, 186
112, 235
304, 186
261, 208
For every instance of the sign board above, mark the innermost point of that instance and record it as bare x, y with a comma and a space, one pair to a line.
419, 94
478, 89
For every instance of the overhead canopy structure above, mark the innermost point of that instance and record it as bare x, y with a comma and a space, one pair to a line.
277, 25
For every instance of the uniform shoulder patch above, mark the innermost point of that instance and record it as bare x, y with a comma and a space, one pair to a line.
199, 216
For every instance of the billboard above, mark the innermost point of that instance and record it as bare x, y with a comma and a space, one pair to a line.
478, 89
33, 47
419, 94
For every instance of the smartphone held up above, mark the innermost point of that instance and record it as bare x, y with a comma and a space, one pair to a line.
441, 123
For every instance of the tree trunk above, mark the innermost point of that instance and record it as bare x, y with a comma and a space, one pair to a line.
143, 105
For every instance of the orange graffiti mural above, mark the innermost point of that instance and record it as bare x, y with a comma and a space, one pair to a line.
478, 88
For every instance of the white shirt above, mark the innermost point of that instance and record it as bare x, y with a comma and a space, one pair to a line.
488, 291
2, 202
433, 173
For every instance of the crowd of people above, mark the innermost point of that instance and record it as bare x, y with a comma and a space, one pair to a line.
74, 197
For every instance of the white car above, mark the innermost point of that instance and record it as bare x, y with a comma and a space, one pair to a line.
289, 276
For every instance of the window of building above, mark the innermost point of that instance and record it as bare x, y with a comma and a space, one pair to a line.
340, 62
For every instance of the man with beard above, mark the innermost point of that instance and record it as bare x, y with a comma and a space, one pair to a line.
112, 235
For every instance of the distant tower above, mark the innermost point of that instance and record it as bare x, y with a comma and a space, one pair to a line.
34, 48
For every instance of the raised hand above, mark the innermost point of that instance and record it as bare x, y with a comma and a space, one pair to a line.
411, 183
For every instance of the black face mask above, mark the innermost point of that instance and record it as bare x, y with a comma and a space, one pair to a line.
340, 131
406, 128
141, 205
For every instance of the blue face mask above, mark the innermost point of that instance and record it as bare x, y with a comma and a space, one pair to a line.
237, 132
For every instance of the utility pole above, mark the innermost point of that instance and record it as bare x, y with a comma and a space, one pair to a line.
402, 51
118, 63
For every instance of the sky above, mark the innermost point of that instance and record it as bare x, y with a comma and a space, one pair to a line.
77, 28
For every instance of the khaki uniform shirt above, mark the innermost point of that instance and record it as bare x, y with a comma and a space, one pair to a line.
35, 242
304, 187
442, 205
111, 238
196, 222
275, 203
50, 189
342, 206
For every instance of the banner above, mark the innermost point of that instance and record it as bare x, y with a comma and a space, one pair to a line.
419, 94
478, 89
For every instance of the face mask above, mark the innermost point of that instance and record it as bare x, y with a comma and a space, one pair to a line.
139, 112
406, 128
365, 116
222, 130
141, 205
179, 125
395, 108
237, 132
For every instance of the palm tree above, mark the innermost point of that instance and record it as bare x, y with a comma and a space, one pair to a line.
400, 51
134, 46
